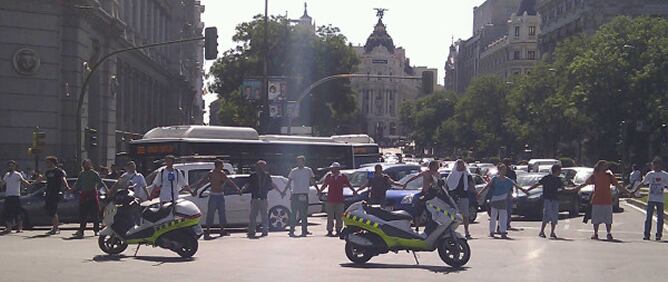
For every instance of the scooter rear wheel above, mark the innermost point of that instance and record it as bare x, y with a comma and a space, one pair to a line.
111, 244
189, 247
356, 254
455, 252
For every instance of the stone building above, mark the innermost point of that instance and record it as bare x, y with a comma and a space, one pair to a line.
490, 22
379, 99
516, 52
564, 18
49, 46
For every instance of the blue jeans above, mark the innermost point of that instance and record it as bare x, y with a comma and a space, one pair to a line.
216, 203
659, 218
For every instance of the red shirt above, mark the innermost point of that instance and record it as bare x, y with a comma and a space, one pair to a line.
602, 194
335, 186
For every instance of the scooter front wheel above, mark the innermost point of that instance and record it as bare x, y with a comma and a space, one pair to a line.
455, 252
356, 254
189, 247
111, 244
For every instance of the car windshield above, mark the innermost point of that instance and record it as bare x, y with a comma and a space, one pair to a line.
528, 179
196, 175
582, 176
358, 178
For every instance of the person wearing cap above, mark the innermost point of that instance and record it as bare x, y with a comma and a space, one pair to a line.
168, 179
335, 182
12, 182
259, 184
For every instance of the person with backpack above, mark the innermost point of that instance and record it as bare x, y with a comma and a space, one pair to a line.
170, 181
459, 184
500, 187
87, 184
601, 198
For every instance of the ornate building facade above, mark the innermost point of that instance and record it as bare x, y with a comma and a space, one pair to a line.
379, 99
490, 23
516, 52
129, 94
564, 18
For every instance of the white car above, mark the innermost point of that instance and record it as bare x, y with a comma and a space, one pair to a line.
237, 207
193, 172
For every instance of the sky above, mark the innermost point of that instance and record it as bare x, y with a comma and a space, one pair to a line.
425, 28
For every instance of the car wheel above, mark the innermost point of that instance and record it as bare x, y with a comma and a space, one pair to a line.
279, 217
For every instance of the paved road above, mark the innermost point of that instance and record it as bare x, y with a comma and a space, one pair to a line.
32, 257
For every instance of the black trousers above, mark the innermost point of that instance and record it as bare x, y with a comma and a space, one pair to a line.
13, 208
89, 209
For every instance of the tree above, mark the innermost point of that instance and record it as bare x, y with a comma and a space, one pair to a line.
425, 116
298, 53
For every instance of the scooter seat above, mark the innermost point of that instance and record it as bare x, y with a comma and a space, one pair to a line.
156, 213
388, 215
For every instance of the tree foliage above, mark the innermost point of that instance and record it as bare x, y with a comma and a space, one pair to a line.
599, 96
298, 53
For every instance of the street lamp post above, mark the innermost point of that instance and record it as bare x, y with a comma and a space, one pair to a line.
264, 116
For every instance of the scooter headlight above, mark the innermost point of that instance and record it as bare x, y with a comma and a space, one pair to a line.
407, 200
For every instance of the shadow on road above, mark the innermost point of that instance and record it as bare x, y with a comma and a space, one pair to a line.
159, 260
432, 268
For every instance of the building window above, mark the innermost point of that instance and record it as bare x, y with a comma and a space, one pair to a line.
532, 30
379, 102
393, 128
365, 101
391, 105
516, 55
517, 31
532, 55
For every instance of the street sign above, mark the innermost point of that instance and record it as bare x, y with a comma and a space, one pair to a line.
278, 89
252, 89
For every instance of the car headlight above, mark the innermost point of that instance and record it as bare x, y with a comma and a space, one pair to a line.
407, 200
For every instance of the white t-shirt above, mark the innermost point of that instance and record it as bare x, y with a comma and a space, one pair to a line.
13, 182
162, 181
657, 181
301, 179
139, 181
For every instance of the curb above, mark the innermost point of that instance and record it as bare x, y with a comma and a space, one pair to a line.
643, 205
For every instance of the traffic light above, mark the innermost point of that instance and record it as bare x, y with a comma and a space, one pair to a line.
38, 139
91, 137
427, 82
210, 43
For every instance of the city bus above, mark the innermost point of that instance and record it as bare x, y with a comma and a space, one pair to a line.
242, 147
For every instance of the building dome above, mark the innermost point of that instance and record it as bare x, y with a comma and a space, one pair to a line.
379, 37
528, 6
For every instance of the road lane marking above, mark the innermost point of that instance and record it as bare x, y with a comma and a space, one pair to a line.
645, 213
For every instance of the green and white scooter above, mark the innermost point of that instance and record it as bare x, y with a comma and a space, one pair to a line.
371, 231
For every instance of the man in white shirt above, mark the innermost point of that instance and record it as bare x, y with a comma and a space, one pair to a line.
12, 183
299, 181
170, 180
132, 180
657, 179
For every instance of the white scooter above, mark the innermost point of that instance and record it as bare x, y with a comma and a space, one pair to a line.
371, 231
174, 226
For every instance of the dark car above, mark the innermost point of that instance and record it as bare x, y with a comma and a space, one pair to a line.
402, 199
359, 176
33, 200
531, 204
579, 175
